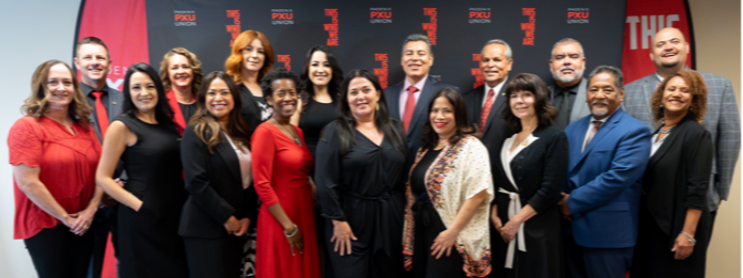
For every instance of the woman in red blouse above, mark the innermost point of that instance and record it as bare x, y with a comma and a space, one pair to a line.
54, 154
180, 71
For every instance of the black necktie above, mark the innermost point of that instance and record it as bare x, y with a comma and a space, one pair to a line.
563, 114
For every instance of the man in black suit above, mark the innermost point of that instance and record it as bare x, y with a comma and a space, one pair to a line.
567, 64
408, 100
485, 106
94, 62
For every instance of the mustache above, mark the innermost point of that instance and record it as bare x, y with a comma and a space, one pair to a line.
599, 102
567, 67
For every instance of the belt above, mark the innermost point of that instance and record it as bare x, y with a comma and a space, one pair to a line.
381, 220
514, 206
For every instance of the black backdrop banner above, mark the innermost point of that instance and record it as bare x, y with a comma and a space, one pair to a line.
369, 34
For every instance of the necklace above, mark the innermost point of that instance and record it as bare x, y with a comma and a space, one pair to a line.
294, 138
665, 131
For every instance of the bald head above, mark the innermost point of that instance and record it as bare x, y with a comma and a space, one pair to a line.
669, 50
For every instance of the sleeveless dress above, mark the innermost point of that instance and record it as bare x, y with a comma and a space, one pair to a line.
149, 244
315, 116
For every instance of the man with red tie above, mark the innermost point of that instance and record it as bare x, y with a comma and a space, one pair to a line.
485, 106
93, 61
408, 100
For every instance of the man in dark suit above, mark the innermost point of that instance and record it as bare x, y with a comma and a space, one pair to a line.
408, 100
93, 61
669, 52
609, 151
567, 64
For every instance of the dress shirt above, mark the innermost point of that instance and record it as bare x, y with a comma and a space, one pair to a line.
404, 93
496, 91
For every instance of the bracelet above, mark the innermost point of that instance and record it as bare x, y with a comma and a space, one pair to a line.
691, 239
292, 233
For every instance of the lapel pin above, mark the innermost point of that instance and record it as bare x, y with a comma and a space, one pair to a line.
113, 102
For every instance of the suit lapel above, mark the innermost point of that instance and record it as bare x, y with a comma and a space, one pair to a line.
575, 145
393, 101
497, 109
580, 108
229, 156
677, 131
114, 103
475, 107
429, 89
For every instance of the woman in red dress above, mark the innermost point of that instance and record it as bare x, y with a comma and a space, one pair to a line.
287, 244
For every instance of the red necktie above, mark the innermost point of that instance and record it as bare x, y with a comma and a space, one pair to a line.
407, 116
100, 112
596, 126
486, 109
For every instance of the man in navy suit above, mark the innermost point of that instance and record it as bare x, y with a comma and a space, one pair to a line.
408, 100
609, 151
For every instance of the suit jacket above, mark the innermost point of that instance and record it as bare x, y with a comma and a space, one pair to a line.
677, 176
420, 115
249, 111
721, 121
496, 130
214, 185
605, 181
115, 104
580, 108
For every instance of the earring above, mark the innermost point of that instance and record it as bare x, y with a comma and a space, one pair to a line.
377, 106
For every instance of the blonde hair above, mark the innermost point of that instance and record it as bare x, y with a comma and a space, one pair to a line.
36, 104
193, 61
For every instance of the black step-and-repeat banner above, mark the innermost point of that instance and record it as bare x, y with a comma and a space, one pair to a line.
369, 34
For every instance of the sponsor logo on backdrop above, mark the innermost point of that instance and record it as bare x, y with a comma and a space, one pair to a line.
577, 15
432, 26
185, 17
380, 15
233, 29
529, 27
477, 72
648, 28
382, 72
332, 28
282, 16
479, 15
286, 59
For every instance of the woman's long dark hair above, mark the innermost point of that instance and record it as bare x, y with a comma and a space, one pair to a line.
462, 126
163, 113
207, 128
347, 123
334, 86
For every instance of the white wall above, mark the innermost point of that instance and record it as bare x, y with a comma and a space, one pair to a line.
31, 32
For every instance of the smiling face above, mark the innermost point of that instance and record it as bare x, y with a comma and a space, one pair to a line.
494, 64
442, 117
677, 97
567, 64
320, 71
416, 60
180, 71
60, 87
522, 104
362, 97
92, 60
253, 56
283, 98
603, 96
669, 49
219, 101
143, 92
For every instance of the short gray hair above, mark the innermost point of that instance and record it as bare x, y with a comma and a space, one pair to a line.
617, 73
416, 38
564, 41
509, 52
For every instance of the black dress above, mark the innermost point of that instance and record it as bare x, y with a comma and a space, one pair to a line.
149, 244
365, 187
315, 116
539, 171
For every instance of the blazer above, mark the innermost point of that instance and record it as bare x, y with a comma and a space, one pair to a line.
605, 181
677, 176
115, 104
580, 109
214, 185
420, 115
250, 111
721, 120
496, 129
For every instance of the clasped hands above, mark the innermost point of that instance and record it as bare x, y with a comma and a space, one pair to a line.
508, 231
237, 227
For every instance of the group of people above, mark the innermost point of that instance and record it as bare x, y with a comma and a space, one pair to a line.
258, 171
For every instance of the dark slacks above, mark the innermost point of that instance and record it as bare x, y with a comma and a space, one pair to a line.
214, 257
57, 252
587, 262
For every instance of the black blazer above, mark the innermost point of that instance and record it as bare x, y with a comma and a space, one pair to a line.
496, 130
415, 131
677, 176
214, 185
539, 170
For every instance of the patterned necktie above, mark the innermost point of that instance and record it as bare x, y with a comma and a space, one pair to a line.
100, 112
486, 109
596, 126
407, 116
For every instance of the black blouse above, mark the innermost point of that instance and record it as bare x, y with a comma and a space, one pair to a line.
315, 116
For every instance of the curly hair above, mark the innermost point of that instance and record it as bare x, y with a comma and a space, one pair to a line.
697, 87
193, 62
546, 112
234, 64
281, 73
36, 104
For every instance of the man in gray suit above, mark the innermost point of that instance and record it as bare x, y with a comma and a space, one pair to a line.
94, 62
669, 52
567, 64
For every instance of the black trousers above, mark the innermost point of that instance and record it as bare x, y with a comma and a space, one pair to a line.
214, 257
57, 252
104, 222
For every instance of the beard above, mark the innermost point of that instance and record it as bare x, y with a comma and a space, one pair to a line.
577, 74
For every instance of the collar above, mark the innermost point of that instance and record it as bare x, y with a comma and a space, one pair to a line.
418, 85
87, 89
603, 121
497, 88
571, 89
